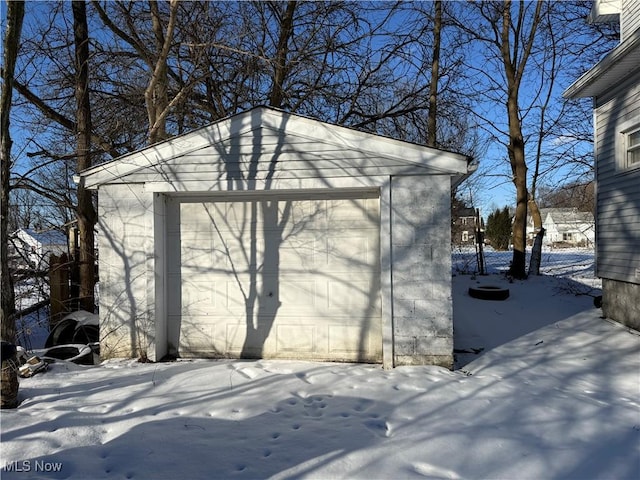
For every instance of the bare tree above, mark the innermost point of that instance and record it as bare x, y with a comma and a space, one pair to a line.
523, 54
515, 59
161, 68
578, 194
155, 55
509, 34
156, 94
15, 15
86, 214
280, 65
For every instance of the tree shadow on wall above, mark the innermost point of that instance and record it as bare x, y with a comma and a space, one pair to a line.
252, 226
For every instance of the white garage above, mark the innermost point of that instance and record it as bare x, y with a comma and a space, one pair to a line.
270, 235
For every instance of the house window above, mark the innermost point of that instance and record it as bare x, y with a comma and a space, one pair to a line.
465, 236
567, 237
633, 147
628, 145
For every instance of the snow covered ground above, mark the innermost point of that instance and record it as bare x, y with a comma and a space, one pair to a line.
553, 393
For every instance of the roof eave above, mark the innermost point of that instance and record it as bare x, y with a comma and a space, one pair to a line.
262, 117
617, 65
457, 180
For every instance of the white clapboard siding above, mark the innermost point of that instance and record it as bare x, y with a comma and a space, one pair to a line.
264, 142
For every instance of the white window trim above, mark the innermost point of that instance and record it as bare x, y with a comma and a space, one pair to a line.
622, 145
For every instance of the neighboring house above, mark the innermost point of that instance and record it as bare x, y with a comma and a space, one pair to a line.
271, 235
567, 227
614, 84
33, 249
465, 225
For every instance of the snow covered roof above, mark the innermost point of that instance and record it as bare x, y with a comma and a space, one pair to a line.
47, 237
567, 216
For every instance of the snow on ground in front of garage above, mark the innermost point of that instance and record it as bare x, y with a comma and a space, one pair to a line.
553, 392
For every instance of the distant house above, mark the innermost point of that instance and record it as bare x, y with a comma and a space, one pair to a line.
464, 227
32, 248
568, 227
614, 84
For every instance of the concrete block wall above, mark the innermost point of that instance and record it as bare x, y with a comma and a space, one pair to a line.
621, 302
125, 239
421, 271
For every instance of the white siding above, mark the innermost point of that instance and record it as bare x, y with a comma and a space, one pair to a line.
630, 18
262, 144
236, 160
618, 200
125, 215
265, 156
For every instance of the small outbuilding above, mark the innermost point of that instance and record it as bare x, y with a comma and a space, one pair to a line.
272, 235
35, 247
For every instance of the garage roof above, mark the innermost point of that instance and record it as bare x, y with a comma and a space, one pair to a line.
267, 143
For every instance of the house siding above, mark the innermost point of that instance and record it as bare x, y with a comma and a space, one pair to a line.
630, 18
614, 83
254, 146
618, 198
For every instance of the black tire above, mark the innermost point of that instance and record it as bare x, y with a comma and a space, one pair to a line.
597, 301
489, 292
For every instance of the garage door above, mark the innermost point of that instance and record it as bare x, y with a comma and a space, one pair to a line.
280, 277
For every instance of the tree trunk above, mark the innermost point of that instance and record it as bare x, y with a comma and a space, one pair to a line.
157, 93
85, 212
435, 75
516, 152
156, 96
519, 170
15, 14
9, 381
282, 50
536, 250
536, 253
514, 65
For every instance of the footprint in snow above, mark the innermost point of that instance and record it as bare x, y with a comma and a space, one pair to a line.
314, 409
247, 372
434, 472
379, 427
409, 387
304, 377
363, 405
